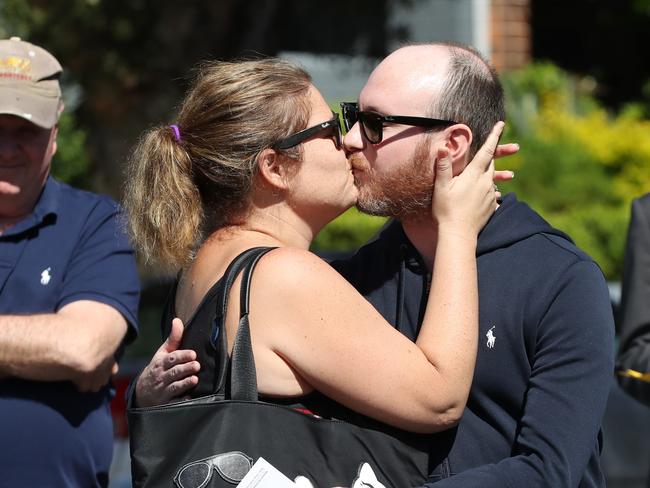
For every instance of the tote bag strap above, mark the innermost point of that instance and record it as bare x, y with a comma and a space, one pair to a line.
234, 268
241, 371
243, 378
218, 338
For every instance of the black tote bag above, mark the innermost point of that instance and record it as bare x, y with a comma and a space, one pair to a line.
213, 441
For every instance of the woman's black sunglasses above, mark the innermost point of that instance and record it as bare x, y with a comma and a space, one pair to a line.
333, 125
372, 124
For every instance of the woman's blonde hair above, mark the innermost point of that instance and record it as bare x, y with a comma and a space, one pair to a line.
182, 185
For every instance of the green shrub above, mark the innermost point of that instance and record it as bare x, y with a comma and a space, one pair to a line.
579, 165
347, 232
71, 162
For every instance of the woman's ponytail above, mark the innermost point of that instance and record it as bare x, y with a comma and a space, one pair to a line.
163, 203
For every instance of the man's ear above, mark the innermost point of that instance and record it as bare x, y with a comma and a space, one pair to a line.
56, 127
272, 169
458, 144
54, 135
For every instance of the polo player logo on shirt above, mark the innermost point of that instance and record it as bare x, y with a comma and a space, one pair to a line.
491, 339
45, 276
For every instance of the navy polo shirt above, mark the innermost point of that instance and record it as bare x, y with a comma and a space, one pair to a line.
72, 247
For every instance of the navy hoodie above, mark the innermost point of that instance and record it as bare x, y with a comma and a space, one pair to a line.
545, 356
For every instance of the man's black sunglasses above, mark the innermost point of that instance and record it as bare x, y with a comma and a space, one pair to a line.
333, 125
372, 124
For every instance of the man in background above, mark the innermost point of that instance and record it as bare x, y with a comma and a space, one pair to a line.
68, 292
634, 354
633, 362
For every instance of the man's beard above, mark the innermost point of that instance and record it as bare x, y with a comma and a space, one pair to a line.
404, 194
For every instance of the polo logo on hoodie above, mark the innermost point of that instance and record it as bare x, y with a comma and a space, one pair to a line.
491, 339
45, 276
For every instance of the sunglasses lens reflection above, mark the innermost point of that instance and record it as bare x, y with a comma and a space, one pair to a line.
349, 115
195, 475
372, 126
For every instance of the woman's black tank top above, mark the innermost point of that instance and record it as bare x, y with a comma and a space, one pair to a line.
201, 335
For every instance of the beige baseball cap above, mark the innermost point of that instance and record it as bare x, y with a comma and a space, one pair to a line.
29, 82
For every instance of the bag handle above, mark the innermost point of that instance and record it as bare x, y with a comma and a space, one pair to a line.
218, 338
243, 377
234, 268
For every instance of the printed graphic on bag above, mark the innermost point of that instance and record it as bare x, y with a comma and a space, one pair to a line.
231, 466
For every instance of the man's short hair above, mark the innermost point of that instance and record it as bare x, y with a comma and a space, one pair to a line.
29, 83
472, 93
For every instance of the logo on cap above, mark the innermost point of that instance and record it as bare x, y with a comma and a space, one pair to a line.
15, 67
29, 82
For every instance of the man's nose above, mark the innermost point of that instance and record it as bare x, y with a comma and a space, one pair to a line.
353, 140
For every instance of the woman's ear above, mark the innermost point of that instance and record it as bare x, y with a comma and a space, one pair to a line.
272, 169
458, 144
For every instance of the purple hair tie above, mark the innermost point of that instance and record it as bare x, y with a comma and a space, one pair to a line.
177, 132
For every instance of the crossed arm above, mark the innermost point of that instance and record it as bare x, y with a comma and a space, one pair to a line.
77, 344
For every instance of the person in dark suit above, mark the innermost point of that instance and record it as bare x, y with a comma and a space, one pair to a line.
633, 362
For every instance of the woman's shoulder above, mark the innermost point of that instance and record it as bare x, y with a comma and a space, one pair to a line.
292, 274
295, 265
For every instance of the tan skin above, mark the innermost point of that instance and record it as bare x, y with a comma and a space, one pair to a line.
26, 152
312, 330
77, 342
